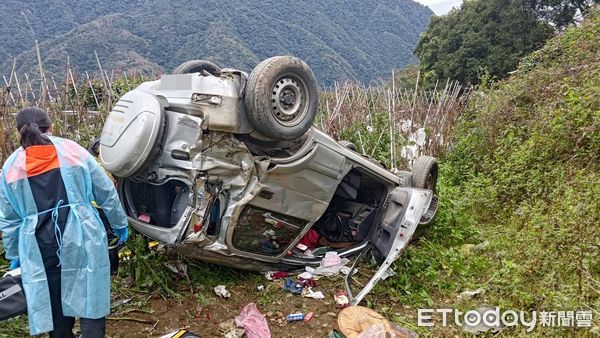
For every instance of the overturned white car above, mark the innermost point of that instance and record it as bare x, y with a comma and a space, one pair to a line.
226, 168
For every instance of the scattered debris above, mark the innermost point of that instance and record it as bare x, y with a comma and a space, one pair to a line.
260, 288
230, 330
221, 291
468, 294
301, 247
307, 282
305, 275
331, 259
333, 270
295, 317
358, 321
341, 299
268, 275
292, 286
279, 274
345, 270
253, 322
308, 317
309, 293
180, 333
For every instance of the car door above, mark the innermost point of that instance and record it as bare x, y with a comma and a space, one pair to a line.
404, 208
176, 214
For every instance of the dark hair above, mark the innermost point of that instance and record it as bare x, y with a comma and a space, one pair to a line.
32, 123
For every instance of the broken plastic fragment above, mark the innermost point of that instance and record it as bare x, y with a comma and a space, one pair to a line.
221, 291
309, 293
345, 270
305, 275
341, 299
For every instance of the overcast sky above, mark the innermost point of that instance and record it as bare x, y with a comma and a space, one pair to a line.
440, 7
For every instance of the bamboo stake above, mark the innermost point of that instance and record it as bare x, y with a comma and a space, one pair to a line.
19, 89
56, 90
7, 84
41, 67
104, 81
14, 73
93, 91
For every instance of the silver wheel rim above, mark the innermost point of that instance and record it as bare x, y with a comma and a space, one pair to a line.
289, 97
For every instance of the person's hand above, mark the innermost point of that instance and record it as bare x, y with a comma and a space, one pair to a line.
14, 264
122, 233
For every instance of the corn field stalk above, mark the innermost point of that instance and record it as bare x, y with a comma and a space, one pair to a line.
395, 125
78, 105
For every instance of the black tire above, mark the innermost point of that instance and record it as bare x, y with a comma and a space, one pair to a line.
197, 66
425, 173
349, 145
282, 98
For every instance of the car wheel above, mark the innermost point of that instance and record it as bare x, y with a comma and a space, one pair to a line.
197, 66
425, 173
281, 98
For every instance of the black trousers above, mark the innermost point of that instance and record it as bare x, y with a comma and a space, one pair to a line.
63, 326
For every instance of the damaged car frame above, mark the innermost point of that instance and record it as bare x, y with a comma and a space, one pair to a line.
226, 167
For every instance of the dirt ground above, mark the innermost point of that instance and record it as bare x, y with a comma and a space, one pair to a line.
158, 316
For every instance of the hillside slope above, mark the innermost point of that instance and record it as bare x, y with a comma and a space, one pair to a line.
519, 190
339, 39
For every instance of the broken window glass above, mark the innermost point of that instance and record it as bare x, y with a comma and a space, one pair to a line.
265, 232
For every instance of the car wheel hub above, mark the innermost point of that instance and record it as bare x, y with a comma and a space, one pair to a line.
288, 96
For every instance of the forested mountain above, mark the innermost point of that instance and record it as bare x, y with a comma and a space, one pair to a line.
340, 39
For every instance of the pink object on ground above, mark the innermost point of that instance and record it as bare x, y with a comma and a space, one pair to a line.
331, 259
253, 322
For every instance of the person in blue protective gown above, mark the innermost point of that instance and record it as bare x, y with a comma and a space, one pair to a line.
53, 232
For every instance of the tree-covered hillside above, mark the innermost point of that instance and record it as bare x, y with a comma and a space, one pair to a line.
339, 39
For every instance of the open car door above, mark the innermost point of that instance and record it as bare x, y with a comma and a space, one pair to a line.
160, 212
404, 208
